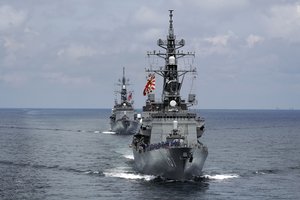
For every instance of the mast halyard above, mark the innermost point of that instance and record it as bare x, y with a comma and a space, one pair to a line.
170, 73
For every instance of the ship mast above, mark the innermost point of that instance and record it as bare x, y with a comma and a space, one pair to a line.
170, 73
123, 89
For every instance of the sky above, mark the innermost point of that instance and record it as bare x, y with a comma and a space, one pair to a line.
70, 53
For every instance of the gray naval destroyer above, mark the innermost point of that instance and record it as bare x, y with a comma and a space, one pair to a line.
123, 119
168, 142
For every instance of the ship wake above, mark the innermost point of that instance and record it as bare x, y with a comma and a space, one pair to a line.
109, 132
126, 173
220, 177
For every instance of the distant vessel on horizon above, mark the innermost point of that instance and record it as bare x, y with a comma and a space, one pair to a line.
168, 142
123, 119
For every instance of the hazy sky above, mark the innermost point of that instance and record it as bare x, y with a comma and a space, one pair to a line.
70, 53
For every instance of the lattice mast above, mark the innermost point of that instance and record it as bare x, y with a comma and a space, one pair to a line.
170, 72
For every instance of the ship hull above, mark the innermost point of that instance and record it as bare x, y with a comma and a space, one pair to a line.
125, 127
178, 163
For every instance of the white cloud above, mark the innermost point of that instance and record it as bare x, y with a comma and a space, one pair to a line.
14, 79
146, 16
151, 34
219, 44
67, 80
11, 44
10, 17
76, 51
283, 21
220, 40
11, 47
253, 39
31, 31
221, 4
215, 5
75, 43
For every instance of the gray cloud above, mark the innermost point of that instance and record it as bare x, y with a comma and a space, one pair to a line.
74, 51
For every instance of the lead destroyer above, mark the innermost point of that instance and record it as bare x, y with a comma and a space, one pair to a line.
167, 144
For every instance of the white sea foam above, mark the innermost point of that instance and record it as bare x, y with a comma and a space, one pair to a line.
221, 176
92, 172
96, 131
130, 156
109, 132
129, 175
123, 173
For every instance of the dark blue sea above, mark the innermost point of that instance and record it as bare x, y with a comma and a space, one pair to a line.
68, 154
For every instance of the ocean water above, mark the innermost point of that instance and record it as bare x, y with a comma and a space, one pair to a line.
69, 154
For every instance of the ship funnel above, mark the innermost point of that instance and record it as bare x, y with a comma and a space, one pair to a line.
175, 125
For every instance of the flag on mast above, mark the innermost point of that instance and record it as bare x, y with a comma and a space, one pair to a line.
129, 96
150, 85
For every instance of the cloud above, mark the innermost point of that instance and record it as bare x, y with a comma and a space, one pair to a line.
31, 31
214, 6
151, 33
146, 16
11, 47
60, 45
11, 44
220, 4
14, 79
64, 79
76, 51
253, 39
283, 21
220, 40
10, 17
219, 44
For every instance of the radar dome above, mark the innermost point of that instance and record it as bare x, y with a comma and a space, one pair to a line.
172, 60
173, 103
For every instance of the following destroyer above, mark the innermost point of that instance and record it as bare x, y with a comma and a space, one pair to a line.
123, 119
168, 142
